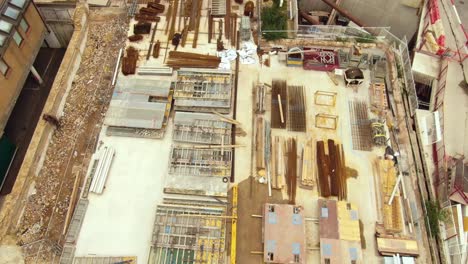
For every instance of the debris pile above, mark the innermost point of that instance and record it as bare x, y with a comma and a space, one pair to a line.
45, 211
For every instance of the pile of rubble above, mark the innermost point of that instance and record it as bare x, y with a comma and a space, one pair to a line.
86, 103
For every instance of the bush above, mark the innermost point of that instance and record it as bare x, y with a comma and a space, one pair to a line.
274, 18
434, 215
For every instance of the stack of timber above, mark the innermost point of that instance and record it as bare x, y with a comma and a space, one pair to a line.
291, 169
134, 38
331, 170
150, 12
233, 29
308, 172
260, 143
129, 62
277, 162
178, 59
296, 109
391, 213
279, 104
323, 164
259, 91
142, 28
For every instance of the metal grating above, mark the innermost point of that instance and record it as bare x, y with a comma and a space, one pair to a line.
76, 221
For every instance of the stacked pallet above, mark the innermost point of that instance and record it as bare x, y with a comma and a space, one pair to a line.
331, 170
129, 62
150, 12
391, 213
178, 59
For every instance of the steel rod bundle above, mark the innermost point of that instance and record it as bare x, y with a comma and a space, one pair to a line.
296, 109
192, 60
291, 169
279, 104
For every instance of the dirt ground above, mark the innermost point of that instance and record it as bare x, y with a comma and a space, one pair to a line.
74, 140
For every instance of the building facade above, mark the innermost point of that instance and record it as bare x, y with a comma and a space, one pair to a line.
22, 32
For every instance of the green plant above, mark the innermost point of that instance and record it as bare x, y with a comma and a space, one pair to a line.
366, 39
435, 214
274, 18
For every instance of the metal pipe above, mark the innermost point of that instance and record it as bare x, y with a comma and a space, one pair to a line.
345, 13
309, 18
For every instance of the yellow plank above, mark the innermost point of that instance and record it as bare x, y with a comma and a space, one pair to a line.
234, 225
348, 228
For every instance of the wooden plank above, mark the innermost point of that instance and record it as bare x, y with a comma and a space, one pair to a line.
323, 170
334, 174
197, 26
259, 143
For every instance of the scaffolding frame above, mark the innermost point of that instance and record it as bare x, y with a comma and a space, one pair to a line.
189, 161
203, 85
205, 131
189, 234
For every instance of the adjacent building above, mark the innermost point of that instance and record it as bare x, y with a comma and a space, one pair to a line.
22, 32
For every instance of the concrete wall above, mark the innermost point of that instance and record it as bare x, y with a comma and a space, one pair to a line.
19, 59
59, 20
402, 19
13, 203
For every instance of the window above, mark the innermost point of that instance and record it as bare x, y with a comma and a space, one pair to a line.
11, 12
3, 67
2, 40
5, 26
18, 3
24, 25
17, 37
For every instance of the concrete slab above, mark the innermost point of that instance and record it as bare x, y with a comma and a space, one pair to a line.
120, 221
455, 109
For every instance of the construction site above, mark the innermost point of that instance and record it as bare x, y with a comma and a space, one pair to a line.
223, 132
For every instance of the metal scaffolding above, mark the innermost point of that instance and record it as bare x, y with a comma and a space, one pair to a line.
200, 162
203, 88
201, 128
188, 234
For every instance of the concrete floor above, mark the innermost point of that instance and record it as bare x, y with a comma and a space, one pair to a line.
28, 108
359, 160
120, 221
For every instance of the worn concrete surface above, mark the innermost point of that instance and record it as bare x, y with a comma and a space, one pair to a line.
11, 255
120, 221
359, 160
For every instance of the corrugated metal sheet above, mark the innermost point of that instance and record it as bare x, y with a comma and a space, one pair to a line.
146, 86
135, 114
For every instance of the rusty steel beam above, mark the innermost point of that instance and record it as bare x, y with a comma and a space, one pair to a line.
309, 18
345, 13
